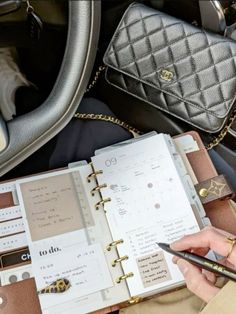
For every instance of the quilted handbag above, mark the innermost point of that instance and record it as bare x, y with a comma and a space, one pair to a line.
174, 66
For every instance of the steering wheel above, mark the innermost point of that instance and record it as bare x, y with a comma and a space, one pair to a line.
25, 134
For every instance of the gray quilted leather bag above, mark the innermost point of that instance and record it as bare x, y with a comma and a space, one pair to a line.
174, 66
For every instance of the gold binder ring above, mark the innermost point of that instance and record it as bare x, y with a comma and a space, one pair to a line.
102, 202
135, 300
98, 188
114, 243
119, 279
93, 175
118, 260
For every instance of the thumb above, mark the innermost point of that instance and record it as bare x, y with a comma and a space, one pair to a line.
196, 281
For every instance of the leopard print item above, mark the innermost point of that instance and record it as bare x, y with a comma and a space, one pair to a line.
58, 286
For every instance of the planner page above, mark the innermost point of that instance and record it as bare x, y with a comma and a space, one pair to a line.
149, 203
67, 238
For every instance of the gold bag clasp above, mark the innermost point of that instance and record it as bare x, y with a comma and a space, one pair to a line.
166, 75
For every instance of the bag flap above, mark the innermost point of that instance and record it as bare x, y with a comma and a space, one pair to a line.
176, 58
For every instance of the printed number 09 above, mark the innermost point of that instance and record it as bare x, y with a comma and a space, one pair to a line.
111, 162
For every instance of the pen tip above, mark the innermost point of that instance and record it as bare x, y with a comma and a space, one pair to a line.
163, 246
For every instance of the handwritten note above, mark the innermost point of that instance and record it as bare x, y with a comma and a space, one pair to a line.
51, 206
153, 269
84, 266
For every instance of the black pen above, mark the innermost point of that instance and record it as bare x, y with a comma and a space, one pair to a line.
202, 262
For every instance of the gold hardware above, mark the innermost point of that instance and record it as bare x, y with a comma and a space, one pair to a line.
93, 174
96, 77
232, 242
203, 192
166, 75
135, 300
119, 279
114, 243
215, 188
107, 118
98, 188
135, 132
223, 132
102, 202
118, 260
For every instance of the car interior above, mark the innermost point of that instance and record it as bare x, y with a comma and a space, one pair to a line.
65, 58
59, 49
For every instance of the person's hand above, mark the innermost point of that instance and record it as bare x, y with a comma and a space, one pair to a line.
201, 282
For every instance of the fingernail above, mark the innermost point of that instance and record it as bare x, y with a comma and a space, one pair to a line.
175, 259
183, 267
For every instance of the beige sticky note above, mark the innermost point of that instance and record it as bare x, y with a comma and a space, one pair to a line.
51, 206
153, 269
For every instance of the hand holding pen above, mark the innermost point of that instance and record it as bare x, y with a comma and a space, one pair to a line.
200, 281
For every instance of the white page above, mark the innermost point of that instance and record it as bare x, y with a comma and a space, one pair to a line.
58, 237
149, 204
84, 266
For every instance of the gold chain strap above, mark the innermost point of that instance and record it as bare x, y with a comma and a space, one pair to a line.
223, 132
135, 132
107, 118
101, 68
102, 117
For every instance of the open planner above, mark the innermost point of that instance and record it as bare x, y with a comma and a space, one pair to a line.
96, 226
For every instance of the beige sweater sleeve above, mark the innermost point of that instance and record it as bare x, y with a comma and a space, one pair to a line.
183, 300
224, 302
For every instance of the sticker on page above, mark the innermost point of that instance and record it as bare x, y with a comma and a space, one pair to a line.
84, 267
